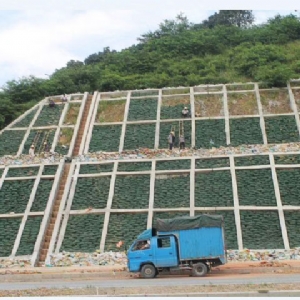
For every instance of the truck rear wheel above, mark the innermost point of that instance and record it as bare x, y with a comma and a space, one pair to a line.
148, 271
199, 269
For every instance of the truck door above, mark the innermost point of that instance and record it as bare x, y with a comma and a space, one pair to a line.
165, 252
140, 253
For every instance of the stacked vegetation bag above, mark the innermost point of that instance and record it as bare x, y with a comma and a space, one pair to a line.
210, 163
29, 235
49, 115
50, 170
253, 160
213, 189
287, 159
171, 107
131, 192
83, 233
91, 192
292, 222
245, 131
14, 196
261, 230
96, 168
9, 228
105, 138
142, 109
42, 195
22, 172
182, 164
134, 166
39, 136
172, 191
255, 187
210, 133
139, 136
124, 227
289, 186
281, 129
10, 141
144, 93
25, 122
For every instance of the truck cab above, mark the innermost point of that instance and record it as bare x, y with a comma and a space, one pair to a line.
160, 251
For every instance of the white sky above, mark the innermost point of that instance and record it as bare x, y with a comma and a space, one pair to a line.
37, 37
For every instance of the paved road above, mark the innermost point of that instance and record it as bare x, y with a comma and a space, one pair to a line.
163, 281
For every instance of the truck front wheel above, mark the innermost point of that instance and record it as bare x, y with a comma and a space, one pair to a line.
199, 270
148, 271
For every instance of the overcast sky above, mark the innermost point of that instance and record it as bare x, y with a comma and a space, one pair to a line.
37, 37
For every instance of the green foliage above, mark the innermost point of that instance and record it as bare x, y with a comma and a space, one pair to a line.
134, 166
105, 138
261, 230
255, 187
22, 172
183, 164
83, 233
142, 109
213, 189
25, 122
127, 197
287, 159
91, 192
289, 184
212, 163
139, 136
9, 228
172, 191
29, 235
95, 168
210, 133
281, 129
245, 131
15, 195
42, 195
251, 160
49, 115
292, 222
10, 141
50, 170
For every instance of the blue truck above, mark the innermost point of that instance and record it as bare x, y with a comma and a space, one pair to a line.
188, 243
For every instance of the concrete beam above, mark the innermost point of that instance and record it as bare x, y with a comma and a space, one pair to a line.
193, 111
123, 132
151, 195
226, 114
157, 128
108, 206
192, 188
294, 106
261, 115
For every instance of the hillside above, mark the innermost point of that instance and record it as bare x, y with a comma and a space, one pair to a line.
241, 160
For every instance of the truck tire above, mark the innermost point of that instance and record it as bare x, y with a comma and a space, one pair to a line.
199, 270
148, 271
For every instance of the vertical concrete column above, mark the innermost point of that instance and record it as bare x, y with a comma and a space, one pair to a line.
151, 195
192, 99
122, 138
157, 129
27, 210
236, 204
192, 186
60, 124
67, 210
261, 114
92, 120
279, 203
108, 206
3, 176
29, 128
226, 114
294, 106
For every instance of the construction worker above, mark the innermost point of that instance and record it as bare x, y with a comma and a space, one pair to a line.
31, 150
64, 98
51, 103
170, 141
181, 142
46, 147
173, 138
185, 112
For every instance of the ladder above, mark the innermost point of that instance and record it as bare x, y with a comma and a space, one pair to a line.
45, 138
36, 138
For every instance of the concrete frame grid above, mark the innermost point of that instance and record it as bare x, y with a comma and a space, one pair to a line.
39, 107
59, 232
45, 214
227, 117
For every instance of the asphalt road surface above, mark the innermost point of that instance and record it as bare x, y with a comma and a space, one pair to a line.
167, 281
